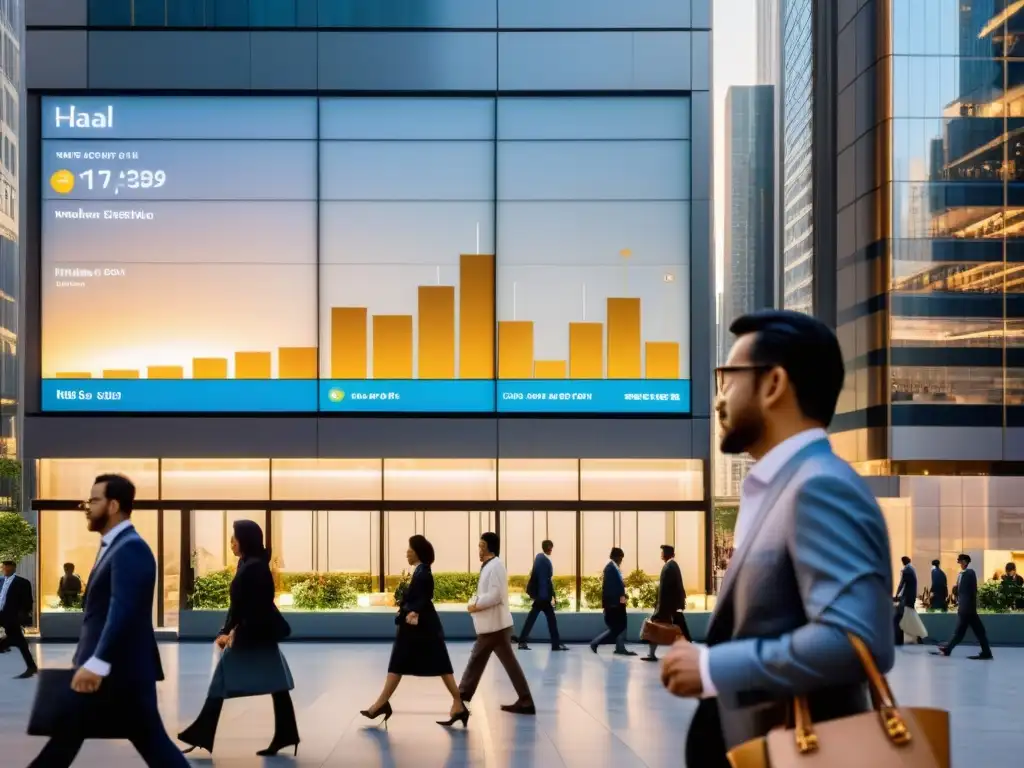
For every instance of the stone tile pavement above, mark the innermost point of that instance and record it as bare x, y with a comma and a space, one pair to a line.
594, 711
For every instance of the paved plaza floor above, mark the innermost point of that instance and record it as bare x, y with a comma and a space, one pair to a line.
593, 711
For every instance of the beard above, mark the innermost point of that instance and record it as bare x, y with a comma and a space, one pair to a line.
747, 429
99, 523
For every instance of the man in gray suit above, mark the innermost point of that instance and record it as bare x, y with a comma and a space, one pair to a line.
967, 617
812, 562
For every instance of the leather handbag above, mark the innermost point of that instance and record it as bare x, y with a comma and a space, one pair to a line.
886, 737
659, 633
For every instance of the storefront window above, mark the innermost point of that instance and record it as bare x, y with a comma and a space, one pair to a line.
532, 479
440, 479
522, 532
641, 480
216, 479
305, 479
65, 538
72, 478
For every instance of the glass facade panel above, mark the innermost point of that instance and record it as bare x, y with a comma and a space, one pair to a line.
211, 538
440, 479
349, 479
529, 479
73, 478
215, 478
946, 385
935, 332
522, 532
642, 479
65, 539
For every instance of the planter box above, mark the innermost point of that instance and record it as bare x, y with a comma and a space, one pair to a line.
458, 625
60, 626
1001, 628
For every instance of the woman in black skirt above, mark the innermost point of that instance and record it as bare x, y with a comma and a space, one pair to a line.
252, 664
419, 648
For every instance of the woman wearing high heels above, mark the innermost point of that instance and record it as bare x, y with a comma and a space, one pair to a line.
251, 663
419, 648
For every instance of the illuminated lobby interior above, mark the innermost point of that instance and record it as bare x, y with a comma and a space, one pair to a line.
354, 516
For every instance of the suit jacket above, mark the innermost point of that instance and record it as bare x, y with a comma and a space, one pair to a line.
612, 587
940, 587
967, 592
117, 613
1015, 578
814, 566
419, 599
492, 599
906, 593
541, 584
252, 613
671, 595
18, 605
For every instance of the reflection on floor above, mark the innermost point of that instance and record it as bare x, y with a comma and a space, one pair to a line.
594, 711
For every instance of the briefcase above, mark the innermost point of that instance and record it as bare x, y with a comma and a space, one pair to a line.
659, 633
57, 708
887, 737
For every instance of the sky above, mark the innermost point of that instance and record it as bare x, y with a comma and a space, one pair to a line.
734, 63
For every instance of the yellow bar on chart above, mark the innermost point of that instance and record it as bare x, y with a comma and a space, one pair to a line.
662, 360
623, 338
72, 375
392, 346
296, 363
165, 372
115, 373
209, 367
436, 317
586, 350
476, 316
348, 342
515, 349
252, 365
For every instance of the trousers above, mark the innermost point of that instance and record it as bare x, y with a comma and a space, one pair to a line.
500, 644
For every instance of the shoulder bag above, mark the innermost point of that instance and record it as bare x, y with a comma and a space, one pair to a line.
889, 736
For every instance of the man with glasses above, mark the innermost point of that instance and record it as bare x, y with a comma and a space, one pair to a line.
811, 564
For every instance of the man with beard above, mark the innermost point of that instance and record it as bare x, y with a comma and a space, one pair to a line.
117, 660
811, 564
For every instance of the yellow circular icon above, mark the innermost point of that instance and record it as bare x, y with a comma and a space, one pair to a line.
336, 395
63, 182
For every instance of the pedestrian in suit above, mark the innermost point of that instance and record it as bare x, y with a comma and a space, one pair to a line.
967, 613
1012, 576
812, 561
492, 620
117, 650
939, 597
613, 601
251, 663
671, 598
419, 648
15, 613
541, 587
907, 624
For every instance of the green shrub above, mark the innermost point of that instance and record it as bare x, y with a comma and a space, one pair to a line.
212, 591
454, 587
1000, 597
324, 592
637, 579
361, 582
644, 596
593, 588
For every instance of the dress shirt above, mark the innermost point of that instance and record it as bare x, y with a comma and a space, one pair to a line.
4, 588
95, 664
752, 495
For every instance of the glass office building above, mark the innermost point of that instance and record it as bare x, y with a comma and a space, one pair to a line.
367, 270
930, 196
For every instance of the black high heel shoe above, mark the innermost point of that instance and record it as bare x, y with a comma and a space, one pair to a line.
273, 749
458, 717
383, 710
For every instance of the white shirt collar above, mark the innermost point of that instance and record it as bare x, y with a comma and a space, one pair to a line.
113, 533
764, 471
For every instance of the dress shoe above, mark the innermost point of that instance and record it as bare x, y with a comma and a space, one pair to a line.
982, 657
375, 713
273, 749
27, 674
524, 647
593, 648
559, 647
519, 708
648, 657
624, 653
458, 717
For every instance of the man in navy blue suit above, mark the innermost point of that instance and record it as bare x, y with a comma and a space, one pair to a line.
613, 601
541, 588
117, 649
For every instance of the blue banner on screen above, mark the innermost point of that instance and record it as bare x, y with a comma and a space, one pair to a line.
187, 395
594, 396
383, 396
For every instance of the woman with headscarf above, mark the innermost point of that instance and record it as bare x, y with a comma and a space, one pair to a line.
419, 648
251, 663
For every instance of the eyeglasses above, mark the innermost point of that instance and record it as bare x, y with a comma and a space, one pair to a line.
722, 370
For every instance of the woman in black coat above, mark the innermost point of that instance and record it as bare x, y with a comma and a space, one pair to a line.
252, 664
419, 648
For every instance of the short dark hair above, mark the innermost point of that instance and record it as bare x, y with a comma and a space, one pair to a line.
616, 552
1011, 566
669, 550
905, 560
936, 563
547, 544
69, 566
492, 541
964, 558
424, 549
8, 562
120, 489
806, 349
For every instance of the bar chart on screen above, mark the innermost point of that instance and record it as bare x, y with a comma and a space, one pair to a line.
438, 357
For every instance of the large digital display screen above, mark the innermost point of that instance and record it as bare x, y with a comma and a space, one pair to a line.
361, 255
